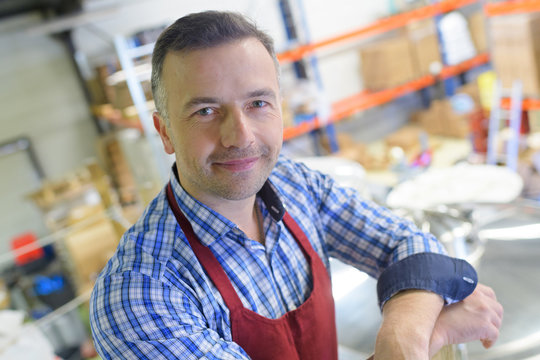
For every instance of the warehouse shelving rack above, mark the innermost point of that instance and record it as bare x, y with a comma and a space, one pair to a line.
507, 8
363, 100
366, 100
127, 55
377, 27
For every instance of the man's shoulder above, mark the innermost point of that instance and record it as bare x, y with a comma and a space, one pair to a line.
300, 188
291, 174
149, 244
289, 170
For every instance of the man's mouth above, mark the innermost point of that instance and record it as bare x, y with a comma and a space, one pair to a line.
235, 165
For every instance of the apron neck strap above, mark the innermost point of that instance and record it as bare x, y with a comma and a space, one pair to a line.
205, 256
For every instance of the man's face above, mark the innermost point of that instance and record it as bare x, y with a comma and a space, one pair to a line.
225, 119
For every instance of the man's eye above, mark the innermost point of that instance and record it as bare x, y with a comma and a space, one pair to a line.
258, 104
205, 111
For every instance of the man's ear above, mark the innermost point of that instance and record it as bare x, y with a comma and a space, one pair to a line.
161, 128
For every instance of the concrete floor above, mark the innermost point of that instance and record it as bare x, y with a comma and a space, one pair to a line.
510, 267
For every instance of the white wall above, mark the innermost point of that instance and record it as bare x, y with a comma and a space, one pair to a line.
39, 98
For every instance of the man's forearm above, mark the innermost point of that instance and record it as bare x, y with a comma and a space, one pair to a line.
408, 321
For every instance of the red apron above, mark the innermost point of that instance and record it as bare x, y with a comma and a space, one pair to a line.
308, 332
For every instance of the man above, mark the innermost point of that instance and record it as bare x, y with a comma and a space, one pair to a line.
230, 260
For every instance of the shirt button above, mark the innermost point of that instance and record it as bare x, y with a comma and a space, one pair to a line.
237, 231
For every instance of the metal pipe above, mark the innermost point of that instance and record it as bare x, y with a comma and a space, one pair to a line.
23, 143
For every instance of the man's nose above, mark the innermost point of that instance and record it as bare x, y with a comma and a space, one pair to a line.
236, 130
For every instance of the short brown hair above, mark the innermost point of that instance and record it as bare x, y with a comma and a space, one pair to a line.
201, 31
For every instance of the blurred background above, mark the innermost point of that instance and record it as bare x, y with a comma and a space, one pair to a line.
428, 107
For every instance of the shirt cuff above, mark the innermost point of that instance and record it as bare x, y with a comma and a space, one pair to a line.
453, 279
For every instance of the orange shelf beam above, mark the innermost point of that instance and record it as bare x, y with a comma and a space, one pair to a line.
377, 27
528, 104
511, 7
300, 129
365, 100
453, 70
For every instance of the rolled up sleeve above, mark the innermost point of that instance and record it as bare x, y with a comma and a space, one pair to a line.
453, 279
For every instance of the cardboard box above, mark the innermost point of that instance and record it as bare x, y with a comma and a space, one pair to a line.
118, 168
534, 121
89, 247
516, 50
387, 63
441, 119
120, 96
424, 45
457, 125
407, 138
360, 153
430, 119
477, 28
287, 114
97, 91
343, 141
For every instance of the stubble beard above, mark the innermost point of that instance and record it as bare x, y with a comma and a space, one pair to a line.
236, 186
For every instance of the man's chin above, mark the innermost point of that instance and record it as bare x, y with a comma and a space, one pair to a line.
239, 187
238, 192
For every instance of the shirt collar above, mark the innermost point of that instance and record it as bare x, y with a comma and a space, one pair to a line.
272, 201
210, 225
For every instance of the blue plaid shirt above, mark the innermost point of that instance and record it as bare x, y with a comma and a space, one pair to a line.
154, 301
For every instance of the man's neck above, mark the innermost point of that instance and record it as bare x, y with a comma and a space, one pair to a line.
244, 213
238, 211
